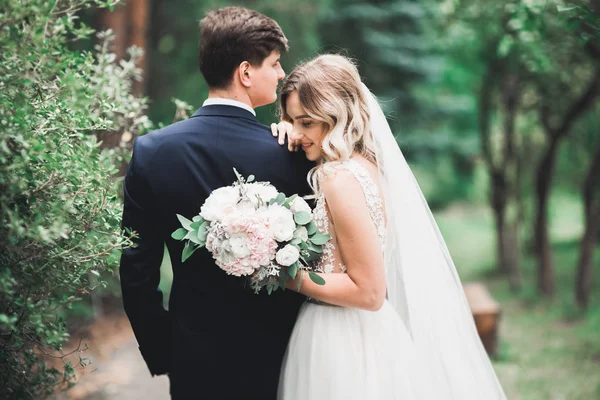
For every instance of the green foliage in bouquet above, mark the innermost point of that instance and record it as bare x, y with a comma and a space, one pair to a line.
194, 233
59, 209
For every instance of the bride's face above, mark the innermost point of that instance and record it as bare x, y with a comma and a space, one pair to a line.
308, 132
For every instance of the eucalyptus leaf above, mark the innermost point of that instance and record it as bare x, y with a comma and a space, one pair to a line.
311, 228
283, 275
198, 218
313, 256
195, 225
318, 279
186, 223
291, 198
293, 270
202, 235
193, 237
280, 199
187, 252
320, 239
250, 179
302, 217
315, 248
179, 234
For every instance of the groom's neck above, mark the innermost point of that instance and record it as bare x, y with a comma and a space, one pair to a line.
231, 94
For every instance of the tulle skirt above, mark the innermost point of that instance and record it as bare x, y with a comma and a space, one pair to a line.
348, 353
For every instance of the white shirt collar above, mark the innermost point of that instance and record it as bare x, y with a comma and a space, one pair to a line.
228, 102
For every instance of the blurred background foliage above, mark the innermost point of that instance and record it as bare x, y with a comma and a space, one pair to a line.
494, 103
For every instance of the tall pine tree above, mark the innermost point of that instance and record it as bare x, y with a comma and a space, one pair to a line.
385, 38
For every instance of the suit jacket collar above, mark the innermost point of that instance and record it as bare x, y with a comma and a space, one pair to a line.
221, 110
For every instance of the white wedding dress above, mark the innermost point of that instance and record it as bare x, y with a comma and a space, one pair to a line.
423, 343
348, 353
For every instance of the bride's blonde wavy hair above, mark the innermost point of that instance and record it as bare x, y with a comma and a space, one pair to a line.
331, 91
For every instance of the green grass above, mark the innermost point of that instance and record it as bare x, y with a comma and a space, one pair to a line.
548, 350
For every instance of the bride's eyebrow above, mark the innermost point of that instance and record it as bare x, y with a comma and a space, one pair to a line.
303, 116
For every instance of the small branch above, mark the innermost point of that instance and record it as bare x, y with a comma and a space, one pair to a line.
106, 251
581, 105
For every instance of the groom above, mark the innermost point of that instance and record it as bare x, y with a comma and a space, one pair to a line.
218, 340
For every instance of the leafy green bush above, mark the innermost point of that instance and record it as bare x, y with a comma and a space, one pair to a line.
59, 208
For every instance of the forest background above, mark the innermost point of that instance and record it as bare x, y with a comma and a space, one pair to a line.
495, 104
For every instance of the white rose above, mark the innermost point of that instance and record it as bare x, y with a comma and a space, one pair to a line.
264, 192
301, 233
239, 245
281, 223
219, 200
287, 256
299, 204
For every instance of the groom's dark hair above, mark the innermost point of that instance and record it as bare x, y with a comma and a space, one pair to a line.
232, 35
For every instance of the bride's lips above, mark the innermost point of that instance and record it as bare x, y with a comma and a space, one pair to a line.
305, 145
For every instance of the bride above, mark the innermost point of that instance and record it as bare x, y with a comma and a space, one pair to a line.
391, 322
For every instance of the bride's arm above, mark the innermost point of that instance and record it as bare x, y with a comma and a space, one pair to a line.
363, 285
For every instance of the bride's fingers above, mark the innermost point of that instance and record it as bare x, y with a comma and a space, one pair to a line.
274, 129
284, 129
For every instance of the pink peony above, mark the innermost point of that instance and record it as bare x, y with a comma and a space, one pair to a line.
242, 243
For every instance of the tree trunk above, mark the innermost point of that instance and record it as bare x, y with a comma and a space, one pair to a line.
117, 21
139, 12
507, 246
544, 175
501, 226
511, 93
592, 226
546, 280
512, 251
585, 264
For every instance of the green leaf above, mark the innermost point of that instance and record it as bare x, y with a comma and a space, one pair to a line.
315, 248
283, 275
198, 218
302, 217
289, 200
565, 9
195, 225
312, 256
193, 237
296, 241
320, 239
186, 223
239, 177
316, 278
311, 228
250, 179
293, 270
280, 199
202, 235
188, 250
179, 234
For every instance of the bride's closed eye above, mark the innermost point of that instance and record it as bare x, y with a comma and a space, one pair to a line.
306, 124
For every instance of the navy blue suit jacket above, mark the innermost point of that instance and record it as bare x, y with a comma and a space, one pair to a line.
218, 340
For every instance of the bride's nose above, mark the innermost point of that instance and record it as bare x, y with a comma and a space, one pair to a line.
295, 135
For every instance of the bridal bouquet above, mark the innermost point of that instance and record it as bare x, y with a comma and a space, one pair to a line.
252, 230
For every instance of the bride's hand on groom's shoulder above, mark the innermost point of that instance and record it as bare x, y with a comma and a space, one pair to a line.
282, 130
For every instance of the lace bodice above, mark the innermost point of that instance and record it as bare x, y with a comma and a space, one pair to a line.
330, 260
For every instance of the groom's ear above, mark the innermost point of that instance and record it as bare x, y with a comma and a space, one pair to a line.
244, 72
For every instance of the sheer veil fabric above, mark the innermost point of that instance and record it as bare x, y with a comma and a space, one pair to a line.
424, 287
